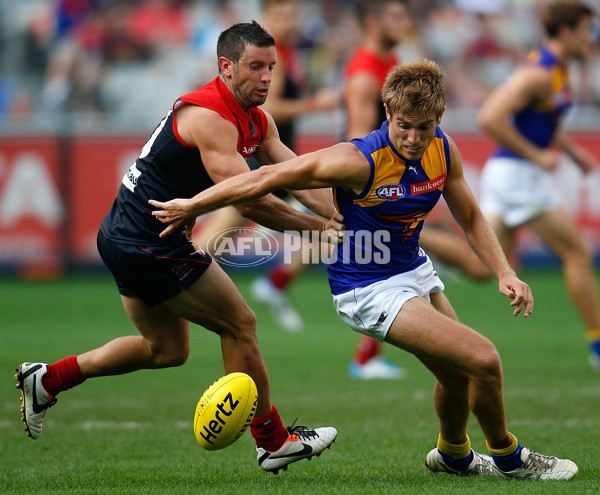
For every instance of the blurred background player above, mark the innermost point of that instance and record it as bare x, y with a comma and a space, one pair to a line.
384, 24
289, 97
523, 116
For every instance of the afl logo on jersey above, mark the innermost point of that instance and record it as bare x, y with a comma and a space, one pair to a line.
390, 192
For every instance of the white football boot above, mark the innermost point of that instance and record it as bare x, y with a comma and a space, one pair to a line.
34, 398
301, 443
539, 467
279, 304
481, 465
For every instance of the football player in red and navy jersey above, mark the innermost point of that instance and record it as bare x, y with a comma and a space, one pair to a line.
383, 283
523, 115
167, 282
289, 98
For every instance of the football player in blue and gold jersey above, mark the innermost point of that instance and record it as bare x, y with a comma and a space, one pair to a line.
523, 115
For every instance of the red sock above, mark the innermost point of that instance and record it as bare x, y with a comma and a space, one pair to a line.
367, 349
281, 277
62, 375
268, 431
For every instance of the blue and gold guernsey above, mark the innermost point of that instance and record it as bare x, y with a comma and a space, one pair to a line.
384, 221
538, 122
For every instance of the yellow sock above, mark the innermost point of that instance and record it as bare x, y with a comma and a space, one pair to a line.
592, 334
505, 451
453, 450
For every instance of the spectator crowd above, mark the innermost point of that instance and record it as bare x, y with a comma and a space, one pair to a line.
84, 63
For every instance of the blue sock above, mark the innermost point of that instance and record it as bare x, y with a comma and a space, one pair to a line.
458, 464
509, 462
592, 335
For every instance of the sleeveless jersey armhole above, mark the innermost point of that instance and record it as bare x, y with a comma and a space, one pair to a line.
366, 152
447, 152
178, 104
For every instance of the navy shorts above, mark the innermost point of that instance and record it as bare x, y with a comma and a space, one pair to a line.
153, 272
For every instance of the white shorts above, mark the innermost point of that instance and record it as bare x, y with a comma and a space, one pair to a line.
516, 190
371, 310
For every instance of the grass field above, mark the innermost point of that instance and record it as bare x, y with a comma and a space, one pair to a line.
133, 434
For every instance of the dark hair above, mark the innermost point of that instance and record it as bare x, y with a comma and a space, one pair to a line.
267, 4
563, 13
365, 8
232, 42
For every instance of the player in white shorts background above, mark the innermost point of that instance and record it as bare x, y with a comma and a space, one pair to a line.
523, 115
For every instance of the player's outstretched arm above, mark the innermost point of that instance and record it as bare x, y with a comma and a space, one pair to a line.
340, 165
482, 238
272, 150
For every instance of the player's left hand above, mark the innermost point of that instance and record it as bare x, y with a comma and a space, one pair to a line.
175, 213
519, 292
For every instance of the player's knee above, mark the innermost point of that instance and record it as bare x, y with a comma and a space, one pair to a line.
488, 365
247, 321
178, 358
586, 253
169, 357
579, 253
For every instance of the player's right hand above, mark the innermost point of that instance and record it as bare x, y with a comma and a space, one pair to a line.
175, 213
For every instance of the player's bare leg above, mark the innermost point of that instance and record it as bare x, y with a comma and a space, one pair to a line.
558, 230
239, 345
164, 342
215, 303
467, 367
212, 302
465, 363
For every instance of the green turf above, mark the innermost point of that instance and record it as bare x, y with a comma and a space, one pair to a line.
133, 433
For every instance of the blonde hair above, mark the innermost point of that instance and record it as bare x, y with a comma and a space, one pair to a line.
415, 88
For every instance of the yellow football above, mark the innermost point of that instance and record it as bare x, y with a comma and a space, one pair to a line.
225, 411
